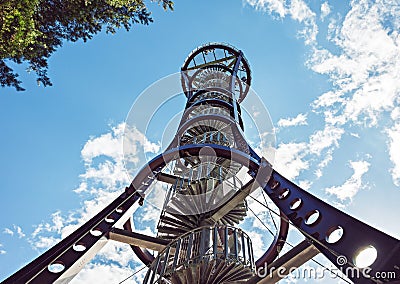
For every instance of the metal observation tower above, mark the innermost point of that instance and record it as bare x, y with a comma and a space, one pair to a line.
212, 170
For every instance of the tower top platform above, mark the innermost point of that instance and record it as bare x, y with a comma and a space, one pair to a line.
221, 61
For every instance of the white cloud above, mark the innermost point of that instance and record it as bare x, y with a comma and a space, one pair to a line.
99, 199
271, 6
82, 188
305, 184
289, 159
109, 174
362, 61
117, 252
300, 119
365, 69
106, 273
394, 152
323, 139
257, 241
45, 242
17, 230
123, 145
108, 144
297, 10
324, 162
1, 250
328, 99
354, 184
300, 11
325, 10
118, 148
47, 234
294, 157
8, 231
395, 114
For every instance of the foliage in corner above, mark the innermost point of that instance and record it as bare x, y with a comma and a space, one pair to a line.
31, 30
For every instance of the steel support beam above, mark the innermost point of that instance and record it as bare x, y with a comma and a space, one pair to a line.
137, 239
80, 247
232, 203
167, 178
353, 235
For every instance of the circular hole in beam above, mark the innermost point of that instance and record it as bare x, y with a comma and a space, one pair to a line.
119, 210
56, 267
284, 194
97, 232
275, 184
79, 247
109, 219
296, 204
365, 257
312, 217
334, 234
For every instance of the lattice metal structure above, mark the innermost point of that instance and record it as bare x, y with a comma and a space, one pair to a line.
211, 170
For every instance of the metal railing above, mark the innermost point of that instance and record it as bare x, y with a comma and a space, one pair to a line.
205, 245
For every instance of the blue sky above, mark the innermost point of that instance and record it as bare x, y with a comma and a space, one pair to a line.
326, 70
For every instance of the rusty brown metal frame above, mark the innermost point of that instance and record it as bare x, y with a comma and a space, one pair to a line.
356, 236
